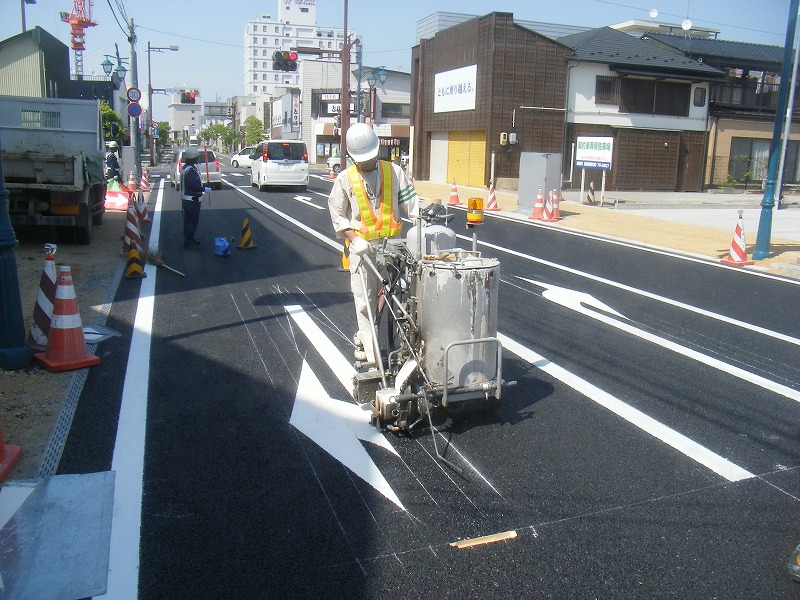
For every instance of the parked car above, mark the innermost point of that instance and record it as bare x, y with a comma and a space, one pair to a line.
279, 162
335, 163
211, 176
242, 157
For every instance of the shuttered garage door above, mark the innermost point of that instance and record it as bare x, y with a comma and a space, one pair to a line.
466, 157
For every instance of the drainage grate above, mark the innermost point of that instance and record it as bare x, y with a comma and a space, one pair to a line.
58, 438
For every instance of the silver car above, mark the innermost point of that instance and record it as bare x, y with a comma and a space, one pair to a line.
210, 172
279, 163
242, 157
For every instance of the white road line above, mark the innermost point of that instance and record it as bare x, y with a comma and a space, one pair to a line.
343, 370
561, 296
700, 311
128, 460
678, 441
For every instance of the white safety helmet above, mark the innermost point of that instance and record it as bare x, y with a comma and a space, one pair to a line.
112, 145
362, 143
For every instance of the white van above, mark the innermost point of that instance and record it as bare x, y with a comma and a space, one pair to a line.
279, 162
193, 141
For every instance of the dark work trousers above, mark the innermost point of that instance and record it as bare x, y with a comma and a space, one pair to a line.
191, 216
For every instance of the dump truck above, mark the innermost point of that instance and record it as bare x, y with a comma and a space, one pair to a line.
53, 154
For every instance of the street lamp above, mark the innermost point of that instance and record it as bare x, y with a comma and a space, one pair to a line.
22, 7
150, 98
375, 75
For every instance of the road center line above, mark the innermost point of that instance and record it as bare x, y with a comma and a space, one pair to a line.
678, 441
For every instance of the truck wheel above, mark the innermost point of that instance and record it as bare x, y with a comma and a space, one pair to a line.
83, 233
99, 210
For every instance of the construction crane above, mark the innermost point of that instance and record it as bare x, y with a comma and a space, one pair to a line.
79, 19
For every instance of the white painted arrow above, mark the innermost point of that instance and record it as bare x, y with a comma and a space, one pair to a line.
338, 428
307, 200
579, 301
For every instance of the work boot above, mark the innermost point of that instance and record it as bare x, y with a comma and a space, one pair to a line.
359, 353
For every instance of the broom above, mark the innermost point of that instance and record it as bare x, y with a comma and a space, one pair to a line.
154, 256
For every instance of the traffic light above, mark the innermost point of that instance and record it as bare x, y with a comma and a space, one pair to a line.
188, 97
285, 60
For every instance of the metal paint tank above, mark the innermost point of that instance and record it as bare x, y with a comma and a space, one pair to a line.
458, 301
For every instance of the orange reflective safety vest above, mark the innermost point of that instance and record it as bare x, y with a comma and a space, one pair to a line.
383, 223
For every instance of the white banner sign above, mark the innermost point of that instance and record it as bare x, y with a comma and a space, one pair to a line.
295, 111
594, 152
455, 90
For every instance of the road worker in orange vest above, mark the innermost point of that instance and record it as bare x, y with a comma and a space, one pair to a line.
365, 205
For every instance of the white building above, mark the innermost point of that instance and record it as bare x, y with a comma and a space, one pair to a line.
184, 119
294, 29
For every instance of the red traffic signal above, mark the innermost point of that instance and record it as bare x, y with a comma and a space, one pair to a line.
285, 60
188, 97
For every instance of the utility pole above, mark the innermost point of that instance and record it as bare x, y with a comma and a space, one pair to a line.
768, 203
345, 110
135, 141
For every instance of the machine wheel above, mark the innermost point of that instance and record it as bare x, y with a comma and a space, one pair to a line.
337, 167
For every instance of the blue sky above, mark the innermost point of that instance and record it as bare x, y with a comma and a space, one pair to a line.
210, 33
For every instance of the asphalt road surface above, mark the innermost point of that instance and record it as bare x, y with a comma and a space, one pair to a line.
649, 449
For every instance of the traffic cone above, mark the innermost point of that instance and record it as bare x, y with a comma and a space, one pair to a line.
346, 256
454, 201
547, 215
331, 174
556, 202
737, 257
145, 185
9, 456
134, 269
131, 184
538, 208
43, 309
116, 196
492, 202
141, 209
133, 232
247, 239
66, 346
590, 194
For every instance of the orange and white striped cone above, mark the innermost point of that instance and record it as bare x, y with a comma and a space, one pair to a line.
331, 174
556, 201
66, 345
547, 215
131, 185
133, 231
141, 209
145, 185
43, 309
491, 204
454, 201
737, 257
538, 208
116, 196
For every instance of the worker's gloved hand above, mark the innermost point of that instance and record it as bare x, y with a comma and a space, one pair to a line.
358, 246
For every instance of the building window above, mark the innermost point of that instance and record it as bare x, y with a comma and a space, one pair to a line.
650, 97
606, 90
255, 66
395, 111
699, 96
749, 159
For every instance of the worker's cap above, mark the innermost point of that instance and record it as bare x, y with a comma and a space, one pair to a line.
190, 154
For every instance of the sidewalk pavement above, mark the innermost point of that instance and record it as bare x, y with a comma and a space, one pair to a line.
695, 223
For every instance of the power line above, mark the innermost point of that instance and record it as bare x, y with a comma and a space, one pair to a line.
186, 37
